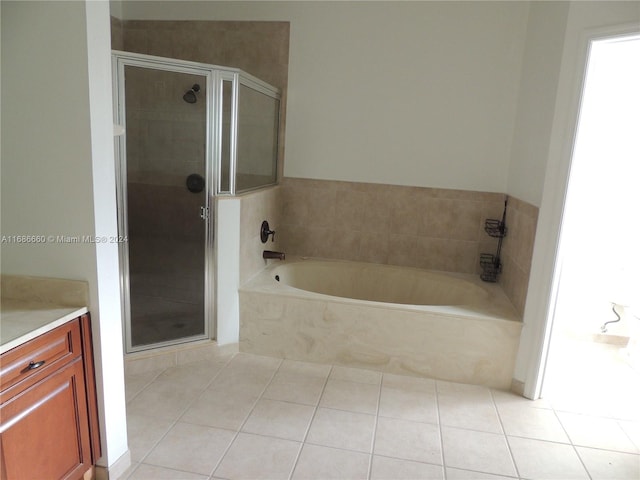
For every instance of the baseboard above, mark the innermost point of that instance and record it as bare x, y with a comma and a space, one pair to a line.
517, 387
116, 470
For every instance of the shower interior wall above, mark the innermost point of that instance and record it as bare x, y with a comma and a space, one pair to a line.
433, 228
258, 48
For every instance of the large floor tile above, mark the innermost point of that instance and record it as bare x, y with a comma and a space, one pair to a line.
218, 408
279, 419
162, 399
295, 387
358, 375
143, 433
195, 375
340, 429
475, 393
148, 472
408, 404
545, 460
607, 465
458, 474
478, 451
510, 399
351, 396
191, 448
307, 369
537, 423
258, 457
385, 468
632, 429
408, 440
464, 412
134, 384
596, 432
414, 384
324, 463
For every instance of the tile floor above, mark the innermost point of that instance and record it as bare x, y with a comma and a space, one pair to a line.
246, 416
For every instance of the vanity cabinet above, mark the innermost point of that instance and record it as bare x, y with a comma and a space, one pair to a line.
48, 410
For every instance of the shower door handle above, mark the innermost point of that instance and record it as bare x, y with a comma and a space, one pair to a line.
204, 213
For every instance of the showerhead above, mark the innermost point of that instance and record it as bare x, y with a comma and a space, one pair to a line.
190, 96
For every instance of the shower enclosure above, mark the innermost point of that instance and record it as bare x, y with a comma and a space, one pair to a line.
192, 132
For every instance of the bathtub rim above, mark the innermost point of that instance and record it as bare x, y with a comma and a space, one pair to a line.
496, 307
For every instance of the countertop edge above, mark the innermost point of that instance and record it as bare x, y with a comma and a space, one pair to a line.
43, 329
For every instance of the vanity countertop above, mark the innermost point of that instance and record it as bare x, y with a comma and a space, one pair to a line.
31, 306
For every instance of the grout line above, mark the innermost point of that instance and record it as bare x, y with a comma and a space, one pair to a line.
189, 404
239, 429
437, 397
624, 430
504, 434
375, 427
571, 443
306, 433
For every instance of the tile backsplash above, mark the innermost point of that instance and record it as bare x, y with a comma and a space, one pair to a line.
439, 229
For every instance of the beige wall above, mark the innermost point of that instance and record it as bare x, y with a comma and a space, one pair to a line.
58, 173
536, 99
46, 139
408, 93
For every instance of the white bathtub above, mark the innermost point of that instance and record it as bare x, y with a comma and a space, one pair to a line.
393, 319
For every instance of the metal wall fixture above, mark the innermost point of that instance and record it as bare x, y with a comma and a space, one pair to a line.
491, 264
190, 96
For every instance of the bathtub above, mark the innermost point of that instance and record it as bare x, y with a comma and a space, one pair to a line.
391, 319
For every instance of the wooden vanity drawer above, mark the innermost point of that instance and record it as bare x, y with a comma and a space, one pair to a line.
37, 357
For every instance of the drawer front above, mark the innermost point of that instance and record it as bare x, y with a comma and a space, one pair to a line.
39, 356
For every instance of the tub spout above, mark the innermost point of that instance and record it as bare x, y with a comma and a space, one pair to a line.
267, 254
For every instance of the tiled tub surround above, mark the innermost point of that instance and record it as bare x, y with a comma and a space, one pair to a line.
517, 250
255, 207
438, 229
474, 343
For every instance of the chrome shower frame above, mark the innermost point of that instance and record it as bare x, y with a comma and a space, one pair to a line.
214, 76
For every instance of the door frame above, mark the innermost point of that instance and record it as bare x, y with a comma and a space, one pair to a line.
120, 60
547, 256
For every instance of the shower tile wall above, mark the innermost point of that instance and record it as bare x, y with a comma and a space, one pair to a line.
258, 48
430, 228
116, 34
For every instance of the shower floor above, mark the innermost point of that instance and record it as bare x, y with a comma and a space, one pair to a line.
166, 289
157, 320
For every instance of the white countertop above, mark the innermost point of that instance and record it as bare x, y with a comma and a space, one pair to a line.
31, 306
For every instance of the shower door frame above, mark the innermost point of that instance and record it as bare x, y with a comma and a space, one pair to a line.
120, 60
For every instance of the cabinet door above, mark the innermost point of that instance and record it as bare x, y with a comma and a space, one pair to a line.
44, 431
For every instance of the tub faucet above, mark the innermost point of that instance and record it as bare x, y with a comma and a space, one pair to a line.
267, 254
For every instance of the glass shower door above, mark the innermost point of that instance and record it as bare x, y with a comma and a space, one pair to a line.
166, 204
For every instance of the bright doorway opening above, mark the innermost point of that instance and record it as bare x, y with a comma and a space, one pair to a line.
594, 359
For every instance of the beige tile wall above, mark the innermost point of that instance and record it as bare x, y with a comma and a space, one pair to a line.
517, 250
258, 48
429, 228
255, 207
116, 34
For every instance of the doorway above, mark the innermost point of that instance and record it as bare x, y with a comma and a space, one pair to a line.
164, 195
594, 353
